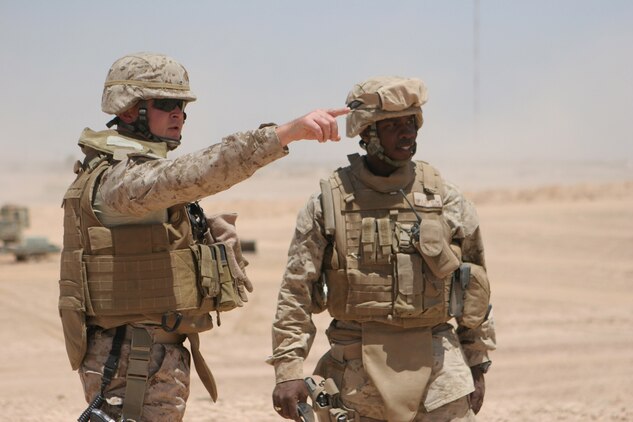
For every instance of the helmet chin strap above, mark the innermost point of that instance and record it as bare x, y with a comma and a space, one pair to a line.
141, 127
374, 148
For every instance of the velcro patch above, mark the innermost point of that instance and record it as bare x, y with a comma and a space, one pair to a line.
427, 200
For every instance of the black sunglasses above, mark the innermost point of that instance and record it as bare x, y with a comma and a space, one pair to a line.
168, 104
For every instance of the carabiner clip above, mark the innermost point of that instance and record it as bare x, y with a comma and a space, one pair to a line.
163, 323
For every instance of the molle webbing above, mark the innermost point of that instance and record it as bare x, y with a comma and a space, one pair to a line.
140, 269
75, 201
195, 279
375, 272
133, 271
155, 283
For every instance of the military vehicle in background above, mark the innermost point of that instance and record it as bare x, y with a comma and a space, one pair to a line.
14, 220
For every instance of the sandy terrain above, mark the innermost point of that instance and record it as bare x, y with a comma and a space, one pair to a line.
560, 259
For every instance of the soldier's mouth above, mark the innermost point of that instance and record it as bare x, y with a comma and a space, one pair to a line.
406, 146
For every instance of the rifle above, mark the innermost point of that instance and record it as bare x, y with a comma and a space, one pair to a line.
324, 395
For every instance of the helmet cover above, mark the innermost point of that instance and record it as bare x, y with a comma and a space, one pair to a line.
144, 76
382, 98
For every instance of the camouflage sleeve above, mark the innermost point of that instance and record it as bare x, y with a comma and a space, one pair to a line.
293, 330
136, 187
459, 212
463, 219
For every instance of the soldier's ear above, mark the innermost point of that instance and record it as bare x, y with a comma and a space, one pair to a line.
130, 115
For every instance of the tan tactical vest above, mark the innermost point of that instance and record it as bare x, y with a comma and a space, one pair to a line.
376, 270
153, 273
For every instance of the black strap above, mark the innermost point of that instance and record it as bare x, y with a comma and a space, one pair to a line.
109, 369
111, 365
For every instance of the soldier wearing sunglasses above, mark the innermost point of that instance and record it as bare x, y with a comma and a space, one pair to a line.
142, 267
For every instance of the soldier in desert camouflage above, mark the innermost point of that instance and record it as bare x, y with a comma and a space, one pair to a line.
142, 267
394, 253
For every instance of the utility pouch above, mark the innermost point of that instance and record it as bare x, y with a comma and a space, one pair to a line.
208, 274
476, 297
375, 241
435, 249
222, 230
229, 297
215, 279
368, 240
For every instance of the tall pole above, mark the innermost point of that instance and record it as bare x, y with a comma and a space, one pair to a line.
476, 72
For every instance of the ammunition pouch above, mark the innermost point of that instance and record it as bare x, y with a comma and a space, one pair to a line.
219, 289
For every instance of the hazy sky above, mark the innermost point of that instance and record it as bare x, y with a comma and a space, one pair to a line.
555, 77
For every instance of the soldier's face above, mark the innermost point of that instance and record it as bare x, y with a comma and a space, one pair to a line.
397, 136
166, 124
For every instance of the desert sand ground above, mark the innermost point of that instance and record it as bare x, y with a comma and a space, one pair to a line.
560, 258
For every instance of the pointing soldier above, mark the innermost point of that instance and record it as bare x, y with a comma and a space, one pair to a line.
142, 268
394, 253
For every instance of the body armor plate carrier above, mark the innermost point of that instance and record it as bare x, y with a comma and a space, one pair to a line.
383, 264
154, 273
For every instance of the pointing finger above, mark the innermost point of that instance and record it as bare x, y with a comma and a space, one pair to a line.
335, 112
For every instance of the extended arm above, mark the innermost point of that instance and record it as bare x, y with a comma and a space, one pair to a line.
137, 187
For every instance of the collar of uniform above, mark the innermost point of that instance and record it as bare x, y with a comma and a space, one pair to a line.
399, 179
112, 143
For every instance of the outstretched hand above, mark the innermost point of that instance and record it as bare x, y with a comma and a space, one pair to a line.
286, 396
317, 125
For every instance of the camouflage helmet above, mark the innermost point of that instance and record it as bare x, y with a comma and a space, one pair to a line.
384, 98
144, 76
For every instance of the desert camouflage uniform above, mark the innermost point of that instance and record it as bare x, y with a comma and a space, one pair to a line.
138, 187
139, 190
446, 396
167, 386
